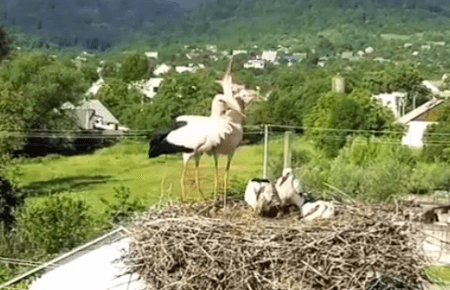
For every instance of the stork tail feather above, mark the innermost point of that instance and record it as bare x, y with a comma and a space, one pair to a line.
159, 144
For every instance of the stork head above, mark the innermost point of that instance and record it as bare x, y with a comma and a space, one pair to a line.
222, 104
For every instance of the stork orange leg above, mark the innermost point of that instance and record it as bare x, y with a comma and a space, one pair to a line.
227, 171
216, 174
197, 180
183, 174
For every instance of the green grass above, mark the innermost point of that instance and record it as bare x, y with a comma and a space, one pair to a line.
439, 275
92, 177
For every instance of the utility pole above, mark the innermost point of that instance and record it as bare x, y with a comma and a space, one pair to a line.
287, 152
266, 150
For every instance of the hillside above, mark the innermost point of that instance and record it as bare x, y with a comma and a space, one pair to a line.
102, 25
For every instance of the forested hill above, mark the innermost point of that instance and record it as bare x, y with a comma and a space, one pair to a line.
102, 24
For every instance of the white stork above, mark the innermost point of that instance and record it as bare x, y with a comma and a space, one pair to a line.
195, 135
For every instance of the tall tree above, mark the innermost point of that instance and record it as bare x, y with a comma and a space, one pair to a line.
5, 43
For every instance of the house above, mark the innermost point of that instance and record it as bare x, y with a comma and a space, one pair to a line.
381, 60
161, 69
433, 86
211, 47
235, 52
254, 63
93, 115
369, 50
269, 56
360, 53
151, 87
151, 54
393, 101
93, 266
182, 69
418, 120
95, 86
347, 54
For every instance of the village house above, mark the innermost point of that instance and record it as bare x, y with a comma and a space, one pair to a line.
182, 69
161, 69
347, 55
393, 101
93, 115
151, 54
269, 56
95, 87
254, 63
236, 52
418, 120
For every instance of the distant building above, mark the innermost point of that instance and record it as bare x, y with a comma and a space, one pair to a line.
347, 55
393, 101
92, 114
418, 120
433, 86
369, 50
269, 56
236, 52
161, 69
151, 54
93, 90
151, 87
254, 63
182, 69
338, 84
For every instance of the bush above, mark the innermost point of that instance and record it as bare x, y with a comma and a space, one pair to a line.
428, 177
124, 207
371, 170
55, 223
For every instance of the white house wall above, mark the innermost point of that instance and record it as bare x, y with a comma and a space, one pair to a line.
414, 137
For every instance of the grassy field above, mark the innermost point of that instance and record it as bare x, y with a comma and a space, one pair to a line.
95, 176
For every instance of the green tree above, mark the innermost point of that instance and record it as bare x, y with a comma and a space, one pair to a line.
337, 116
437, 138
33, 88
5, 43
179, 94
135, 67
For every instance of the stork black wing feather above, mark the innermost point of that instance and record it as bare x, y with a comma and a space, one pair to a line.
159, 144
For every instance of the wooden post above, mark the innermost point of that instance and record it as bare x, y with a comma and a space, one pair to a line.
287, 152
266, 150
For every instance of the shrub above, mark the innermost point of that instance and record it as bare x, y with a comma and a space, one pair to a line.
124, 207
373, 170
428, 177
55, 223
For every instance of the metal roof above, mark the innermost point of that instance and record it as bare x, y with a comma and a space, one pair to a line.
419, 111
93, 266
100, 110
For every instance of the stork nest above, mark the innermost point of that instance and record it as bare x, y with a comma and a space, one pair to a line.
203, 246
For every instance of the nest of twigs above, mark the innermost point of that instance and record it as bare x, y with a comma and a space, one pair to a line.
204, 247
